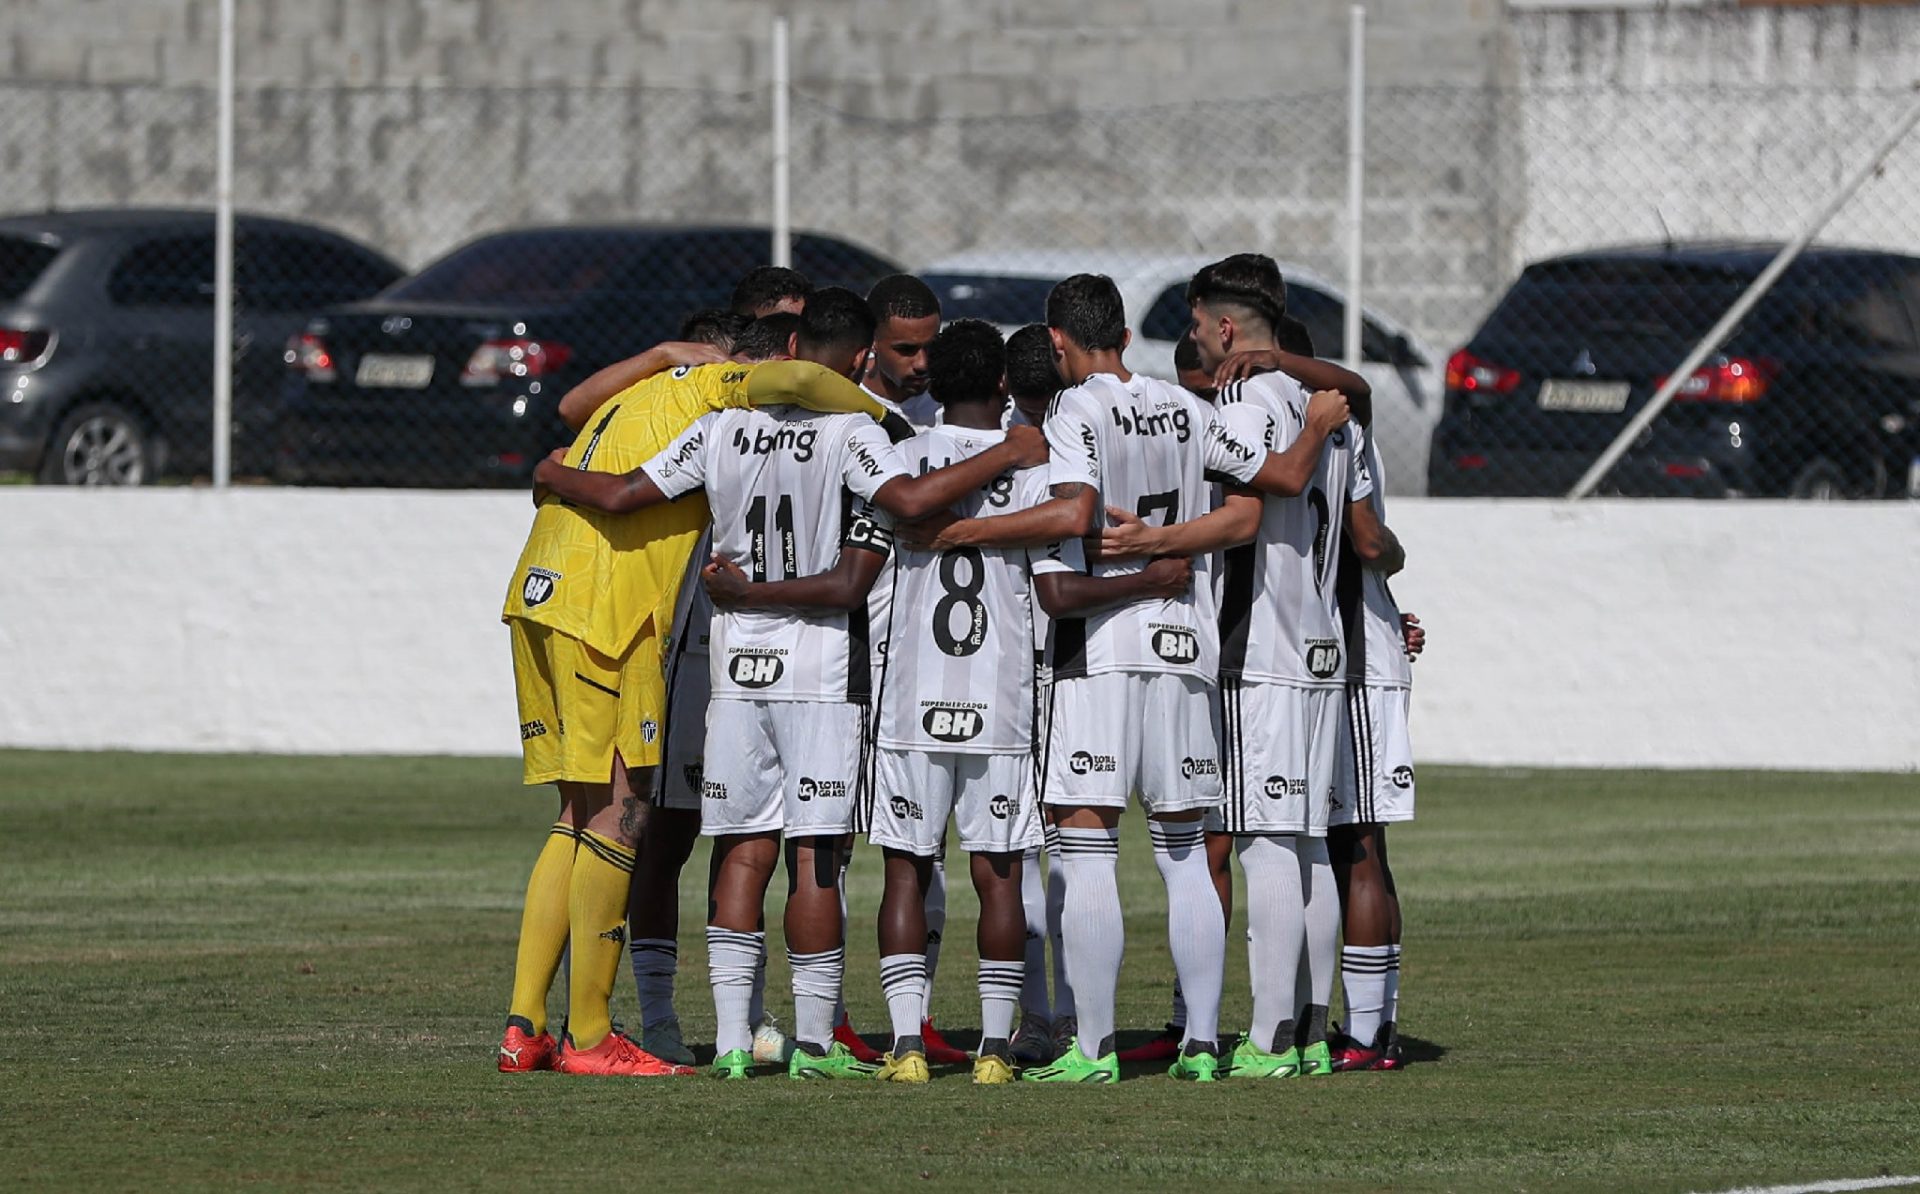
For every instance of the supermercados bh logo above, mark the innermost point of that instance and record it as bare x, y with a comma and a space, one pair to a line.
1278, 787
822, 789
1323, 657
756, 669
1403, 777
953, 722
1081, 762
1191, 767
538, 587
906, 810
1175, 644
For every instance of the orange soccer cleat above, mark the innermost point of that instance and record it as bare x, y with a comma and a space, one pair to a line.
616, 1056
522, 1052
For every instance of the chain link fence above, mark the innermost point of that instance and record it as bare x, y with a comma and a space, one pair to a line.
421, 272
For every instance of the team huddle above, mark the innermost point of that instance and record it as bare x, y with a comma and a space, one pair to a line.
825, 568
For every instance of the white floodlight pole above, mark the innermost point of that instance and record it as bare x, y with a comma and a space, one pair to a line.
223, 261
1598, 471
782, 151
1356, 178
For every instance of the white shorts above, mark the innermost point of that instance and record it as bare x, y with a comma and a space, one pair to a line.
780, 767
991, 796
683, 756
1374, 778
1119, 734
1278, 747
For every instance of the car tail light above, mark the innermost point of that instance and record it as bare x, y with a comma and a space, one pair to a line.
497, 360
1736, 379
308, 354
1470, 460
1686, 472
21, 347
1468, 372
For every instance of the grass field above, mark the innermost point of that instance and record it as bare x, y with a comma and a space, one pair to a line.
292, 972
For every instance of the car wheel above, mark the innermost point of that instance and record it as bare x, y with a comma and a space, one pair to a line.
1820, 481
98, 443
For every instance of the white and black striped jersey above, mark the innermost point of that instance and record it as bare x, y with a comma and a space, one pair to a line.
1152, 448
787, 488
959, 672
1279, 612
1376, 646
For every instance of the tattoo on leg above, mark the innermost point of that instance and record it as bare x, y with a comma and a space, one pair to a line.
633, 817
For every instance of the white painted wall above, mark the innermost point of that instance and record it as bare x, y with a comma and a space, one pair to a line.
1614, 633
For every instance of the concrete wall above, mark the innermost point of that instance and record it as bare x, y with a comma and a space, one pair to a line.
1611, 634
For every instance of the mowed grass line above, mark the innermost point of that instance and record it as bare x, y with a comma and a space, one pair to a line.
292, 972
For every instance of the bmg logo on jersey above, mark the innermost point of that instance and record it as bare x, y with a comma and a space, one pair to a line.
765, 441
822, 789
1279, 787
953, 723
538, 586
1174, 421
1083, 763
1175, 644
1191, 767
1323, 657
756, 669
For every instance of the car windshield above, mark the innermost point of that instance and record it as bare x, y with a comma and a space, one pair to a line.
22, 261
995, 298
1653, 299
534, 269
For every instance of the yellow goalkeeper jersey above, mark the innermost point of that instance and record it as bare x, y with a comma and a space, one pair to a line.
601, 578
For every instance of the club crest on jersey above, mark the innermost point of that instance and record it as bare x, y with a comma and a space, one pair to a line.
1083, 763
649, 730
765, 441
1190, 767
756, 669
1403, 777
696, 777
1323, 657
906, 809
1172, 420
822, 789
953, 723
1001, 807
1278, 787
538, 587
1175, 644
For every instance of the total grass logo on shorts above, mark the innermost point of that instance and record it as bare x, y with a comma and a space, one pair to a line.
822, 789
756, 669
1323, 658
1403, 778
1191, 767
1279, 787
538, 587
712, 789
906, 810
1001, 807
1082, 762
953, 722
532, 729
1175, 644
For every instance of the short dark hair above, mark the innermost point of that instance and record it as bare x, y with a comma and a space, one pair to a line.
836, 318
1250, 281
965, 362
715, 326
1292, 336
1186, 354
767, 336
768, 284
1030, 369
1088, 310
901, 296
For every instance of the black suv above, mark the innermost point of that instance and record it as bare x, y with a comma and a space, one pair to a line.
454, 377
106, 336
1815, 395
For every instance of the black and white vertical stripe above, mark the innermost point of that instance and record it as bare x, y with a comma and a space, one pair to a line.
1233, 766
1360, 731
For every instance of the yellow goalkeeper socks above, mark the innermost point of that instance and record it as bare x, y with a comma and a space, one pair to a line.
597, 911
543, 928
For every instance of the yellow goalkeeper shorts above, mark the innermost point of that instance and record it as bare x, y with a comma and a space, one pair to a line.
578, 707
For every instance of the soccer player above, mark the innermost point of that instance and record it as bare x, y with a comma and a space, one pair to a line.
591, 598
906, 314
770, 288
783, 731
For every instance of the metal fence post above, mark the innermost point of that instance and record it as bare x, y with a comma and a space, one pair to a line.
1356, 177
223, 262
782, 195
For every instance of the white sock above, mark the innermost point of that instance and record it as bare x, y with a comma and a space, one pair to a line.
1092, 931
1033, 972
1056, 907
730, 960
903, 980
1363, 976
655, 960
757, 1003
1195, 927
1276, 934
1391, 1011
999, 995
816, 989
1323, 922
935, 907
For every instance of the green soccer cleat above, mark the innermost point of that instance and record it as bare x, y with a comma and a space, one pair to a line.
1073, 1066
1196, 1067
837, 1062
1251, 1061
732, 1066
1316, 1060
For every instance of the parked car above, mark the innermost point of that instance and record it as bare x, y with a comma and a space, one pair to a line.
1815, 395
106, 336
1009, 287
454, 376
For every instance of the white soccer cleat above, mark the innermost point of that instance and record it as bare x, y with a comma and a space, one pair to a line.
663, 1041
770, 1045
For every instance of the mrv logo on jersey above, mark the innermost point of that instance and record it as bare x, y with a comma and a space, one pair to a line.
954, 723
1083, 763
756, 669
1175, 644
537, 587
1323, 657
764, 441
822, 789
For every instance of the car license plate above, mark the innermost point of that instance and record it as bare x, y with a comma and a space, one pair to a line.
1594, 397
392, 371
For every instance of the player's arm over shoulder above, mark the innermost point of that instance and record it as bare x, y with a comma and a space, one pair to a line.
579, 403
